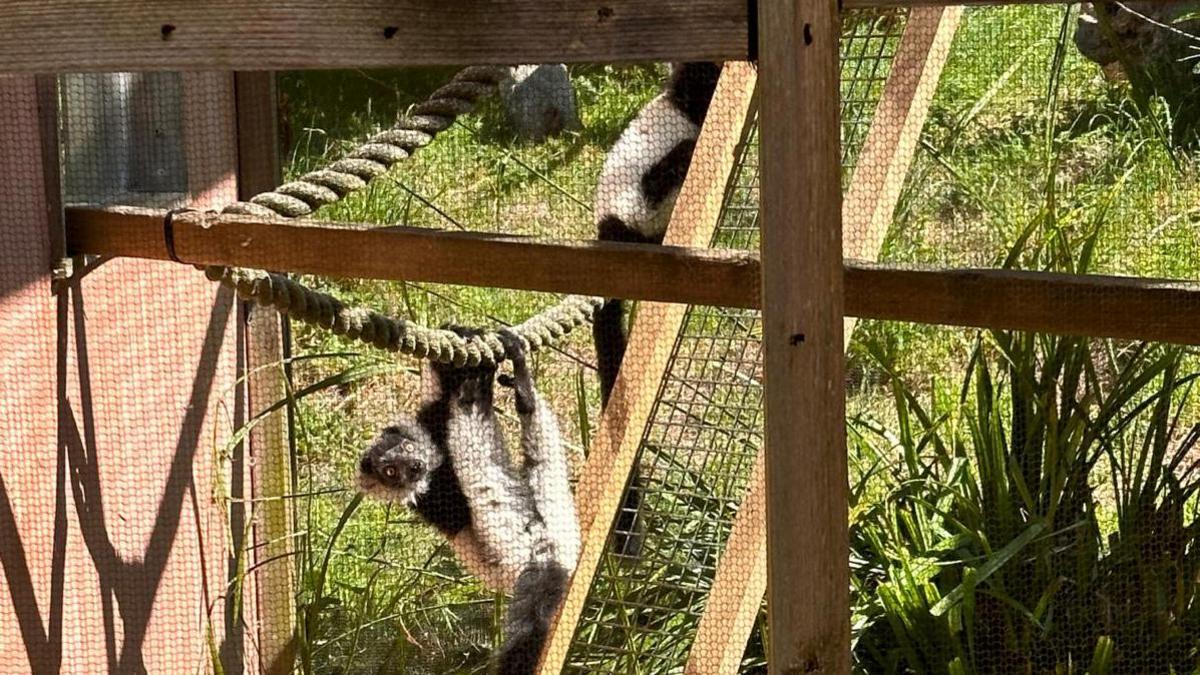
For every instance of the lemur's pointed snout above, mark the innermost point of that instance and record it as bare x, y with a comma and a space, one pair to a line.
413, 469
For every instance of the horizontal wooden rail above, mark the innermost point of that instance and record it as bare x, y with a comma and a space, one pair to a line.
892, 4
56, 36
1100, 306
119, 35
678, 274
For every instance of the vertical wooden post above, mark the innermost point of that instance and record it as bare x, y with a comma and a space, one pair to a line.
271, 464
741, 578
808, 595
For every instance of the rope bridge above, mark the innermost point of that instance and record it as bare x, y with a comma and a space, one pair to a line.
373, 158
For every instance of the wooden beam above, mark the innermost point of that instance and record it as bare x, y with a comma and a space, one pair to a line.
600, 489
618, 270
738, 586
266, 384
891, 142
1094, 305
48, 123
808, 570
893, 4
130, 35
741, 578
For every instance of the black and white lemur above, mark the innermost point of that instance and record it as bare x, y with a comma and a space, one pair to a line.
513, 527
637, 189
516, 529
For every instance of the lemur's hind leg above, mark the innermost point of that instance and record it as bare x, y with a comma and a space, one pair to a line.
546, 469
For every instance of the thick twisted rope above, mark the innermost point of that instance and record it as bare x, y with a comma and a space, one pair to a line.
313, 190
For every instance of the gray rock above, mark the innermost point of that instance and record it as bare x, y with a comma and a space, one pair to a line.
540, 101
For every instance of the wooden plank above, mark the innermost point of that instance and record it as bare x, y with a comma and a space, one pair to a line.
1094, 305
599, 491
741, 578
202, 105
892, 4
47, 103
610, 269
270, 449
32, 511
738, 586
808, 596
895, 130
125, 35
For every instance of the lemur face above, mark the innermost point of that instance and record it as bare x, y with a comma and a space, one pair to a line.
397, 465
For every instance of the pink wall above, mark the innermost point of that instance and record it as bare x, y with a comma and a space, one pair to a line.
117, 397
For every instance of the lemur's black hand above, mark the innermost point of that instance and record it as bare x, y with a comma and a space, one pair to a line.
521, 381
469, 384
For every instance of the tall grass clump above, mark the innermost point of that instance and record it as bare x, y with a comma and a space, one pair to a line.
1040, 515
1042, 519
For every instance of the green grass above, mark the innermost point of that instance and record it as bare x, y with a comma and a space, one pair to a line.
1027, 148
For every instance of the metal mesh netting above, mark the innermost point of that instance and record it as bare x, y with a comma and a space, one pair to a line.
1019, 502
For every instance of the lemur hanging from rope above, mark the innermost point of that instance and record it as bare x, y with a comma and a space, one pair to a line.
637, 189
514, 528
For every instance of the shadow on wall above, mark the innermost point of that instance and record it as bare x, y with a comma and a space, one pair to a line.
128, 586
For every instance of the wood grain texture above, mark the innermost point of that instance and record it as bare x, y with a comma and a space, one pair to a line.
600, 489
808, 596
1093, 305
32, 521
741, 579
895, 131
738, 586
131, 35
48, 123
891, 4
266, 384
610, 269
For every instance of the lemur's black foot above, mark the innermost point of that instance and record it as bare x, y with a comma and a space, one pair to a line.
521, 381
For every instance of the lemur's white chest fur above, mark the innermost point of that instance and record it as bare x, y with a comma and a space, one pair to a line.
651, 136
519, 516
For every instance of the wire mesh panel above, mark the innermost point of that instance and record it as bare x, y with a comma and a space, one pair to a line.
704, 433
590, 497
706, 427
993, 472
869, 41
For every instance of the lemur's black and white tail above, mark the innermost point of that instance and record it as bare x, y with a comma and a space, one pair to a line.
538, 592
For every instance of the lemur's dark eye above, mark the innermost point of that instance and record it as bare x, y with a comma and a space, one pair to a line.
390, 472
409, 447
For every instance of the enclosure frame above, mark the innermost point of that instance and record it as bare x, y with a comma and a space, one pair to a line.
804, 305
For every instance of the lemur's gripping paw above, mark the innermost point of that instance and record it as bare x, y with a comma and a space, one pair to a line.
469, 384
521, 381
